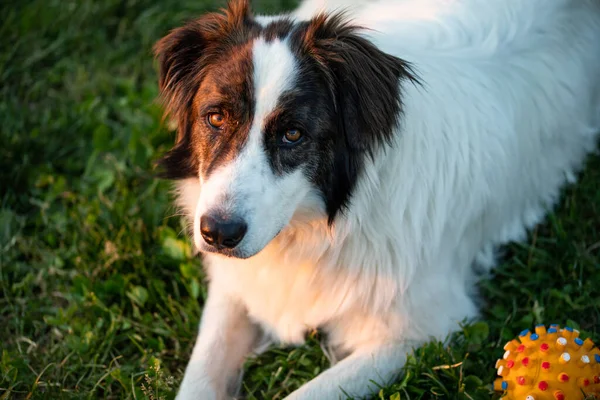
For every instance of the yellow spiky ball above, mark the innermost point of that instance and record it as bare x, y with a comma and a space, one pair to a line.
552, 364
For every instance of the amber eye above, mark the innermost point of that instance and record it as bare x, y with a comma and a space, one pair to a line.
215, 120
292, 136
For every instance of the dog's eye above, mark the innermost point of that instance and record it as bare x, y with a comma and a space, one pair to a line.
292, 136
216, 120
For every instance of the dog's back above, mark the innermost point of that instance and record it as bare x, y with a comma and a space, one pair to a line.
516, 82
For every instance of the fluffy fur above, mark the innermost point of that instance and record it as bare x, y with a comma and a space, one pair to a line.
443, 132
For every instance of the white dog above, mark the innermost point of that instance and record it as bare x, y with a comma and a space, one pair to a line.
349, 179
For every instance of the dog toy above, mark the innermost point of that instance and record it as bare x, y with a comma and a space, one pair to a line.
553, 364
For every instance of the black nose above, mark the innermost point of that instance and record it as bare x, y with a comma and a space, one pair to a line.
222, 233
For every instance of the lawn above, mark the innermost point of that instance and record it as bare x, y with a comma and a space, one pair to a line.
100, 295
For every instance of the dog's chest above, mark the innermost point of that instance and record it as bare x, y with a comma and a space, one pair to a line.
287, 300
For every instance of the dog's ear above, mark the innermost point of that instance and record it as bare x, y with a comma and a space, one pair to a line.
365, 86
183, 57
185, 52
364, 80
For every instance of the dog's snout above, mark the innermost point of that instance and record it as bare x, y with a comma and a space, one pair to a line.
222, 233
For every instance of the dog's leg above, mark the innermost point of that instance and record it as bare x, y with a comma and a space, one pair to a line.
226, 337
353, 376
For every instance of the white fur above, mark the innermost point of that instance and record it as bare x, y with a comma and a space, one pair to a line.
509, 109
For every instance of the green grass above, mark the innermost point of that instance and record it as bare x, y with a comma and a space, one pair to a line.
99, 294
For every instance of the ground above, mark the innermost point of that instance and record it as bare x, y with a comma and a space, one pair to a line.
100, 296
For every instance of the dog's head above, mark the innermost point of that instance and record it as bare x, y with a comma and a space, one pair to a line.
272, 115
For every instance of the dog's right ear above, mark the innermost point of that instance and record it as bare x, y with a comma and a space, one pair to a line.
183, 57
185, 52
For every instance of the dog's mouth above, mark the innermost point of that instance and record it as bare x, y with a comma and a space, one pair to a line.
230, 253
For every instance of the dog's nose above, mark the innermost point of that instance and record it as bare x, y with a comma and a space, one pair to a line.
222, 233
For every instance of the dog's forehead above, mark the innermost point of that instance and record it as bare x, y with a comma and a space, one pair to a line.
274, 73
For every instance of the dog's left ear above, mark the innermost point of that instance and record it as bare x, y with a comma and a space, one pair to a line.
364, 81
365, 86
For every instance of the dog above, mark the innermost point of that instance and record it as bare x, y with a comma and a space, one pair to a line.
354, 166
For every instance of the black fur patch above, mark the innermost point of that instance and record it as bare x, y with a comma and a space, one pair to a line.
346, 99
363, 83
